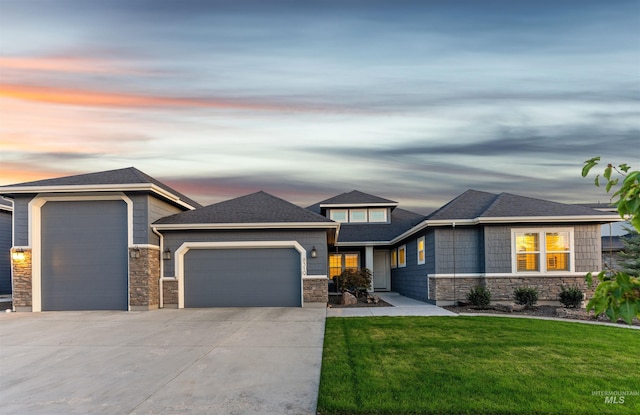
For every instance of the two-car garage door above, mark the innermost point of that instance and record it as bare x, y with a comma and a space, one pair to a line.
242, 277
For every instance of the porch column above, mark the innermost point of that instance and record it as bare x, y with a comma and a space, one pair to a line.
368, 263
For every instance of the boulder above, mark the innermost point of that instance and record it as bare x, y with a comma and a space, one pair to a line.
348, 299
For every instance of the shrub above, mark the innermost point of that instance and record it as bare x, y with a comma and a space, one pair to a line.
479, 297
571, 297
354, 280
526, 296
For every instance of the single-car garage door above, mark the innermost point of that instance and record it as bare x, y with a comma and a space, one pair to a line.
251, 277
84, 263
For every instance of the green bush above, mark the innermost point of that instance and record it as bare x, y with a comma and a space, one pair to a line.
571, 297
354, 280
526, 296
479, 297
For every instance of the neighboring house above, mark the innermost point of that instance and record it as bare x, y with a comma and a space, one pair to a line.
123, 240
6, 214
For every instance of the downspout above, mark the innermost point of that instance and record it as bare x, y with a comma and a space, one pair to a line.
455, 298
154, 230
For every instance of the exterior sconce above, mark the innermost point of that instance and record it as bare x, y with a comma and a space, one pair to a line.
314, 252
135, 252
166, 254
18, 255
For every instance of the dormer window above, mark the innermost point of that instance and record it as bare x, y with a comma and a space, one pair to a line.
339, 215
359, 215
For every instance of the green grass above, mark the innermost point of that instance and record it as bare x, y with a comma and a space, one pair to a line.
476, 365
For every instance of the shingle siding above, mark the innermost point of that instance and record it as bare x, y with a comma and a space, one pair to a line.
21, 220
468, 248
308, 239
411, 280
497, 249
588, 248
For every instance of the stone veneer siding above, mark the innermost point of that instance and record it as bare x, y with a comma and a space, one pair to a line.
315, 290
170, 293
22, 289
442, 289
144, 272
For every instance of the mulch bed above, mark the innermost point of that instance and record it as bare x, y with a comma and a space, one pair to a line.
538, 311
334, 302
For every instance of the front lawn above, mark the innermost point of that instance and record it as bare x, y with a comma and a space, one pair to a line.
477, 365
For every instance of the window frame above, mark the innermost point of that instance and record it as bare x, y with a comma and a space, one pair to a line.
421, 251
366, 215
402, 259
542, 251
346, 215
343, 261
381, 210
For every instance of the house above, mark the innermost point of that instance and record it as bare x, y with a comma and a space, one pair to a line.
6, 225
125, 241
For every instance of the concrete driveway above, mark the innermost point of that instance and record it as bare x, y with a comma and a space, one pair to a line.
192, 361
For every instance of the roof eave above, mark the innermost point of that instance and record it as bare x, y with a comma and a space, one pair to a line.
264, 225
145, 187
357, 205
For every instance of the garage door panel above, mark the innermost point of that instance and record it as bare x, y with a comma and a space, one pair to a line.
84, 255
260, 277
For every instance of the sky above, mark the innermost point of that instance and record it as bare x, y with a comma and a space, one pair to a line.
414, 101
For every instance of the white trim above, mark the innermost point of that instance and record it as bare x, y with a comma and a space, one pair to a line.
35, 225
559, 274
265, 225
315, 277
403, 248
186, 246
346, 215
146, 246
356, 205
385, 212
149, 187
423, 250
365, 243
542, 231
366, 215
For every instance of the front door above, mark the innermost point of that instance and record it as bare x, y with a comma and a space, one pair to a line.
381, 270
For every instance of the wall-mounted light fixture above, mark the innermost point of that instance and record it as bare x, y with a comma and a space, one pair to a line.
314, 252
134, 252
166, 254
18, 255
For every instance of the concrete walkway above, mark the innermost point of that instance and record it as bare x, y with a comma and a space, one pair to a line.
195, 361
402, 306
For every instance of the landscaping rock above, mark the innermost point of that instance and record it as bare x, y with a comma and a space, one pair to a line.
349, 299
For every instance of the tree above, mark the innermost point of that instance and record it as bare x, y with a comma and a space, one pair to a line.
618, 294
630, 254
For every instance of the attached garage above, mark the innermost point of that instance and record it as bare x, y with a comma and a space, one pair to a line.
242, 277
84, 257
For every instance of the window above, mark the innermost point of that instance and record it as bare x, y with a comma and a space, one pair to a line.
543, 250
402, 256
357, 215
378, 215
421, 258
340, 262
339, 215
394, 258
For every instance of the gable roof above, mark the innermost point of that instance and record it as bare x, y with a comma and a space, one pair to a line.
258, 209
478, 206
112, 180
